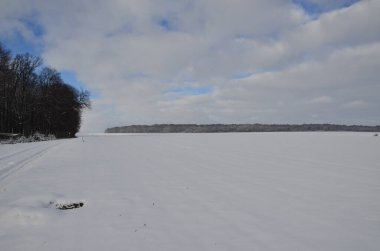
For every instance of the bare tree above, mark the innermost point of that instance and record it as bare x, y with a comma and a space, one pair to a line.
37, 100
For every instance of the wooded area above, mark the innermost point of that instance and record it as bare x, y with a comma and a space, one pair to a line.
34, 98
213, 128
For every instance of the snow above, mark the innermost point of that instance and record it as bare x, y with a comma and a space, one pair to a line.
235, 191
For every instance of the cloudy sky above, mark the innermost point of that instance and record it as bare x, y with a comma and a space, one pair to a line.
208, 61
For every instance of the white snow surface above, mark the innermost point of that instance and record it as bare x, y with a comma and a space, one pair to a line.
234, 191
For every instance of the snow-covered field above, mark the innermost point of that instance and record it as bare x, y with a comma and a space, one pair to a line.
237, 191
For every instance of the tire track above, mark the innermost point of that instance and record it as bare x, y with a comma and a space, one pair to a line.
7, 156
11, 163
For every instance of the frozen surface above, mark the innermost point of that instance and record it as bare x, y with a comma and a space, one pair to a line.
237, 191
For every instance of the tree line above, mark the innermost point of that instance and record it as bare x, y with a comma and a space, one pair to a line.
34, 98
214, 128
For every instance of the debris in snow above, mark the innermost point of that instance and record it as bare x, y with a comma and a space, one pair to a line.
65, 206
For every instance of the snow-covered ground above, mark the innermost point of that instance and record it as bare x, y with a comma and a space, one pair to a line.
237, 191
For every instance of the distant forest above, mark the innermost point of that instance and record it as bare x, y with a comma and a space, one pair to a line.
34, 98
192, 128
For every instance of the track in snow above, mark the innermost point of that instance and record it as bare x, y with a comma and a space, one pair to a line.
13, 161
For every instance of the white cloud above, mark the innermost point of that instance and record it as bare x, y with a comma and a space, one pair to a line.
298, 91
296, 62
356, 104
321, 100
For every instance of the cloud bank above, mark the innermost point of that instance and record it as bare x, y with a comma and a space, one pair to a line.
208, 61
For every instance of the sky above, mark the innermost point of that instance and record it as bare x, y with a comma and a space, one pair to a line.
208, 61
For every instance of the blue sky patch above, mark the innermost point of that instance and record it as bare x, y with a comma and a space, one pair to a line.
18, 45
32, 26
244, 75
165, 24
168, 23
70, 78
314, 9
308, 6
